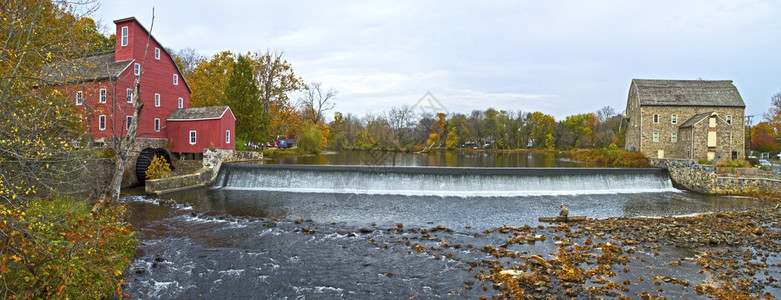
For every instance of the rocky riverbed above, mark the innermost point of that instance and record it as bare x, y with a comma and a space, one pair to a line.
737, 252
188, 253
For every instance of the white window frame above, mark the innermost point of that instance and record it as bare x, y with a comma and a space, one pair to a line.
227, 136
102, 122
674, 119
157, 100
157, 124
193, 137
102, 96
124, 36
128, 120
181, 102
79, 98
656, 118
157, 53
129, 93
656, 137
674, 137
137, 69
176, 79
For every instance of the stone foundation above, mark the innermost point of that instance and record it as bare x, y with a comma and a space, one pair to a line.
212, 161
705, 179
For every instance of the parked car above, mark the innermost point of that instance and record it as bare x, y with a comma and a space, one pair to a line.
764, 163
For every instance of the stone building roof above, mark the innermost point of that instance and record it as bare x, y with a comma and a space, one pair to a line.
198, 113
696, 118
91, 68
687, 93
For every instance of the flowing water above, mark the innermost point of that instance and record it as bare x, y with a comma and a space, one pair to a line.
324, 232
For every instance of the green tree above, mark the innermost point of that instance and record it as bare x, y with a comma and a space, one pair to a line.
241, 94
275, 80
541, 129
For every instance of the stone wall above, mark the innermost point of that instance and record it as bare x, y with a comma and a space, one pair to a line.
730, 136
212, 161
687, 174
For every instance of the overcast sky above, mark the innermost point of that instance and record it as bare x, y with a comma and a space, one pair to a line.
558, 57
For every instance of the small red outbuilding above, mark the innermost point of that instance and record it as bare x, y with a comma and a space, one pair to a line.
190, 130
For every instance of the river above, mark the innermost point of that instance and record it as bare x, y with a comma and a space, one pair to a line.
330, 232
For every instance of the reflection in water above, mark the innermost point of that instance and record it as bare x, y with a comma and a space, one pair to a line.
455, 158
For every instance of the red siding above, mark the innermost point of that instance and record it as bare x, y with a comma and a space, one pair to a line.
157, 78
209, 134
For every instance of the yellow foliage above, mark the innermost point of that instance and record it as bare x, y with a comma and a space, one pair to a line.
159, 168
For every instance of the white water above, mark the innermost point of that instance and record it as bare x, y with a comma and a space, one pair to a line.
438, 182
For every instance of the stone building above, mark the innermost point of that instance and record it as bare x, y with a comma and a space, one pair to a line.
693, 119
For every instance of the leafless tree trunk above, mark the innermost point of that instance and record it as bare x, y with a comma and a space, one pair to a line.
317, 101
126, 143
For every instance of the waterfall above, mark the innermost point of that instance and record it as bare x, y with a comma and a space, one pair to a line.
442, 181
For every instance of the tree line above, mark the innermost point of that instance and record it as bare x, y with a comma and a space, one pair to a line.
403, 129
258, 87
766, 135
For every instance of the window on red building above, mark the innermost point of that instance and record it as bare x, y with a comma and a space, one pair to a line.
227, 136
102, 96
192, 137
102, 122
129, 96
124, 36
157, 100
79, 98
157, 125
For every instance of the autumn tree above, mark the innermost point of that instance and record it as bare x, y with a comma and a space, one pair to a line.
210, 78
764, 138
541, 129
241, 94
275, 80
48, 170
773, 115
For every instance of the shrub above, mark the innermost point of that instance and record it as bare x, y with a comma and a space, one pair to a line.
159, 168
613, 157
310, 139
65, 250
735, 163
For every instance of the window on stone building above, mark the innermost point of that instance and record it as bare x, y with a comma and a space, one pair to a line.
656, 137
712, 122
729, 119
656, 118
674, 137
674, 119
